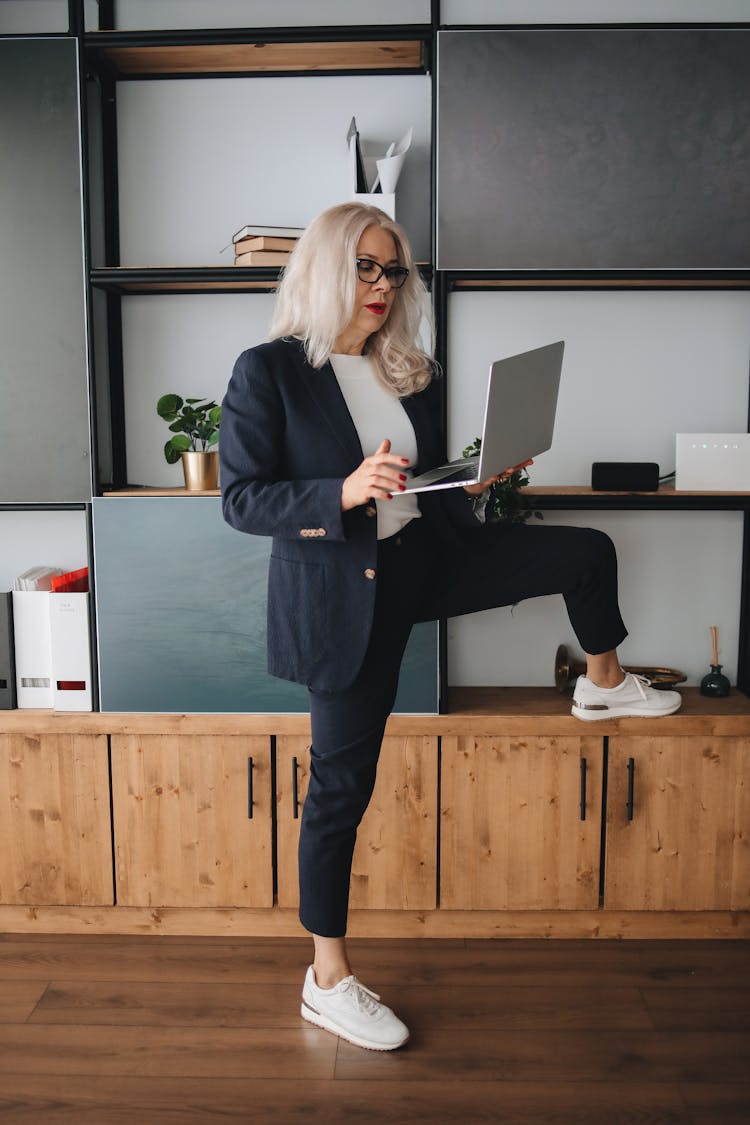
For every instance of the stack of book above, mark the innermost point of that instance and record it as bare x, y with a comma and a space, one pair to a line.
264, 246
38, 578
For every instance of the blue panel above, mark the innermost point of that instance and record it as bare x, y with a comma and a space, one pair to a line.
181, 609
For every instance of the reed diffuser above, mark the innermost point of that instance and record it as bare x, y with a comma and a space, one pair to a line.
715, 683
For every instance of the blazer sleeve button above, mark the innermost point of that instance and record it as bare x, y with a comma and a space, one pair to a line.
371, 510
369, 573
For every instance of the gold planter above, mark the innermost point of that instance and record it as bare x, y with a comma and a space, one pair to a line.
201, 471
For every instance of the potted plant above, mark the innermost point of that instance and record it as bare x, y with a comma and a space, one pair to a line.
194, 423
505, 502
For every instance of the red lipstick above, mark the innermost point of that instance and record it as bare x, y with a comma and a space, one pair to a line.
377, 308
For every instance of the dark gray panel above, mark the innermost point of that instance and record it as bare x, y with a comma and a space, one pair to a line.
7, 653
594, 149
44, 419
181, 608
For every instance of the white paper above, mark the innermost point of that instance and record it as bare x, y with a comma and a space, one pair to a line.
389, 168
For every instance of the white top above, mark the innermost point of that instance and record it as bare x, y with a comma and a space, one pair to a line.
377, 414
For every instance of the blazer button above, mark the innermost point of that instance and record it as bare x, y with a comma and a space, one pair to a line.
369, 573
321, 531
371, 510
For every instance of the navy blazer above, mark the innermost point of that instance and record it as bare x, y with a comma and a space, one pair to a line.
287, 441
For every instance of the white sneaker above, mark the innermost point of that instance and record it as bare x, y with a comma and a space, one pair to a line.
353, 1012
634, 696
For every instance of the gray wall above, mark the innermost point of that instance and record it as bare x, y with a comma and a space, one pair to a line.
199, 159
266, 13
638, 368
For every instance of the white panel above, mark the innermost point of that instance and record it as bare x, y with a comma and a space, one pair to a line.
200, 158
145, 14
638, 368
184, 345
679, 573
591, 11
33, 538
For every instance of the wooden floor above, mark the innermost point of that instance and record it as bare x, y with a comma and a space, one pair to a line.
103, 1030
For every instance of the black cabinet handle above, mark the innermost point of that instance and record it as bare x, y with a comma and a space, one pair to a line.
583, 788
631, 786
249, 788
295, 791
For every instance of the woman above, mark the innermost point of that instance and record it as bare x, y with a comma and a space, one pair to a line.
320, 429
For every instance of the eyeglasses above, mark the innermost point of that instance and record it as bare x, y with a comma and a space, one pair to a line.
370, 272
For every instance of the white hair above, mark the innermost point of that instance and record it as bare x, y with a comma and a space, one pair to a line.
317, 293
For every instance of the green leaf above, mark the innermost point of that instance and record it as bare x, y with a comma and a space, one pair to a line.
473, 449
171, 454
213, 438
215, 415
168, 406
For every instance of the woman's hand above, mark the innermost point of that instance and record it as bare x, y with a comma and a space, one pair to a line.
377, 478
478, 489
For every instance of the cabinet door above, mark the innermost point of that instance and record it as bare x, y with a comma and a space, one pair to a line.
395, 858
55, 834
512, 835
687, 846
192, 820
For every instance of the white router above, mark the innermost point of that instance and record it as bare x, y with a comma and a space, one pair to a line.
713, 462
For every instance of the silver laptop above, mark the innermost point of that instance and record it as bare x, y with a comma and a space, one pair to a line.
519, 419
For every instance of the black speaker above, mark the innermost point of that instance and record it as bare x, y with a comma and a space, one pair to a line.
624, 476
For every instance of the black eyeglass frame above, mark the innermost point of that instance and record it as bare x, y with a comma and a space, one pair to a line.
389, 271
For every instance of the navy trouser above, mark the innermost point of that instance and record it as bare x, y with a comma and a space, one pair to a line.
420, 579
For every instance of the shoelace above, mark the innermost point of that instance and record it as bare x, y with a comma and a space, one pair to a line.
639, 681
364, 998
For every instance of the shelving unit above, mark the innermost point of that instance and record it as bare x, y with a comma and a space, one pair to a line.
112, 57
130, 56
495, 740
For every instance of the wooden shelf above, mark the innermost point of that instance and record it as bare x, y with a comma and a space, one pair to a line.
207, 279
473, 710
196, 279
137, 490
667, 498
259, 51
190, 279
562, 498
484, 280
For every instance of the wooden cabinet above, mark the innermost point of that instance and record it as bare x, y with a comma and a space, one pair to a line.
192, 820
678, 823
395, 859
505, 817
55, 838
520, 823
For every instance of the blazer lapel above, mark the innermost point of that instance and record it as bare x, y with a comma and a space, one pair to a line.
325, 392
